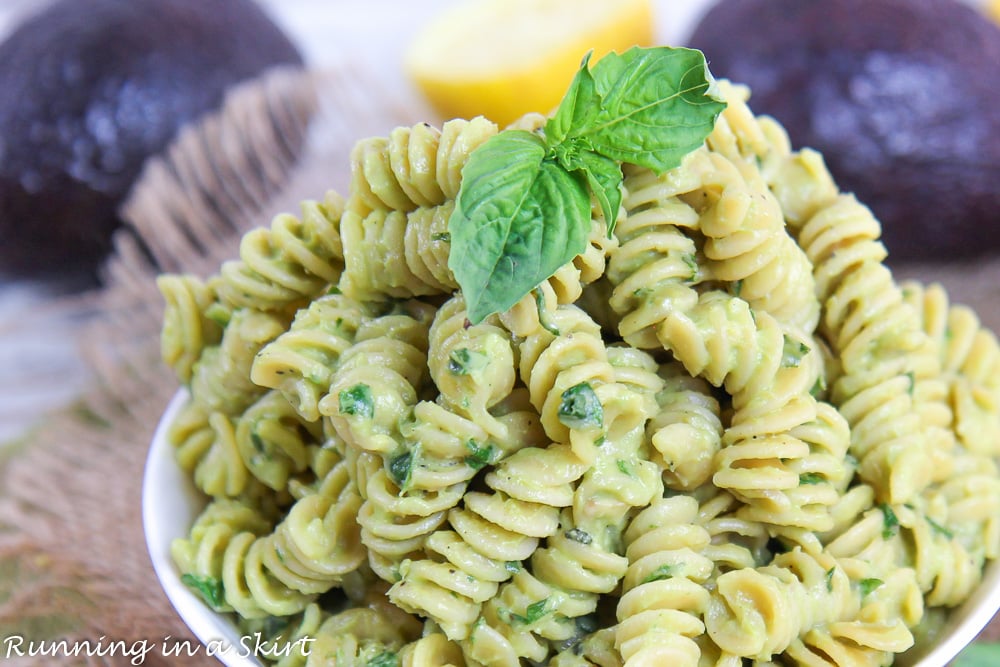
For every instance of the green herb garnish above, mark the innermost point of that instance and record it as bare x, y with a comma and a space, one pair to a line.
210, 589
512, 566
692, 263
580, 408
384, 659
400, 468
357, 400
464, 361
543, 314
811, 478
869, 585
625, 468
662, 572
478, 456
219, 314
534, 612
829, 579
577, 535
938, 528
818, 387
792, 353
523, 209
890, 522
913, 382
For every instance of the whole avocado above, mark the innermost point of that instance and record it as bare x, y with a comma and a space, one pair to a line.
88, 90
901, 96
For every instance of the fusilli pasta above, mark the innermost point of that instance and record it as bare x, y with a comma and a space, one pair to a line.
720, 436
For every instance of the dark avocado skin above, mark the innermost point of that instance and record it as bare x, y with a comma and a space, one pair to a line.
88, 90
901, 96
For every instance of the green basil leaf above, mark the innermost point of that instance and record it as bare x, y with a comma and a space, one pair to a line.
604, 176
577, 535
811, 478
656, 106
578, 107
518, 219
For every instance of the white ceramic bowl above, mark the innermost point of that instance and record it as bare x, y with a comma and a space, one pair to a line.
170, 504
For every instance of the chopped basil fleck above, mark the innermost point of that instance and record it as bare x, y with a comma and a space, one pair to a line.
938, 528
811, 478
580, 408
543, 314
210, 589
577, 535
660, 573
890, 522
478, 456
792, 353
357, 400
869, 585
400, 468
384, 659
464, 361
534, 612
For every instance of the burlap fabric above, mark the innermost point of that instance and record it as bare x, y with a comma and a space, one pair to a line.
73, 561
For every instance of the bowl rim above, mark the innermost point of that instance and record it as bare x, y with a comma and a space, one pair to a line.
218, 634
162, 476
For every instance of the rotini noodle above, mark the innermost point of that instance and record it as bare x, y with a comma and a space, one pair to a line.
290, 262
720, 436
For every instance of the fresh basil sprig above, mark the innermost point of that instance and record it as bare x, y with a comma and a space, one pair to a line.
523, 209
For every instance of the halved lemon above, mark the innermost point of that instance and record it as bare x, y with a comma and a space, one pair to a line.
504, 58
993, 9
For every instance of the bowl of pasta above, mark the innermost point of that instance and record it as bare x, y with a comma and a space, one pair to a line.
627, 384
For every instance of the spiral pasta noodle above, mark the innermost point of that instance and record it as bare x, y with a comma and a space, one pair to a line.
796, 594
274, 441
290, 262
872, 343
187, 326
663, 598
564, 578
969, 357
275, 572
220, 379
686, 432
301, 361
721, 435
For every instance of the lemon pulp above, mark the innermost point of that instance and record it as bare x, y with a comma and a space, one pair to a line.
504, 58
